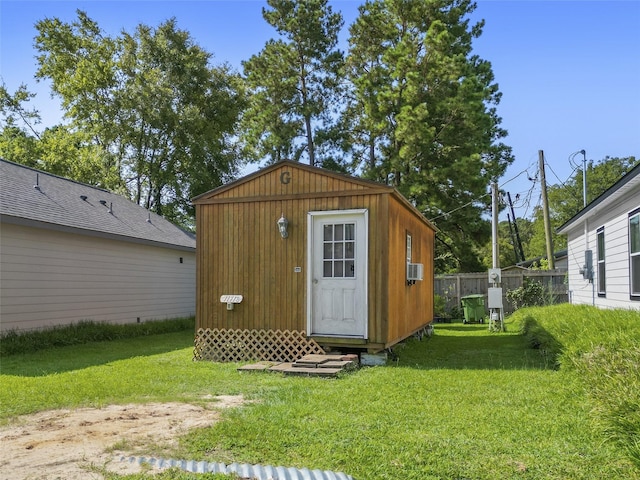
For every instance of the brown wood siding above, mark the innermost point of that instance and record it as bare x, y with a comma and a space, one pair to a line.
301, 182
379, 272
410, 306
240, 251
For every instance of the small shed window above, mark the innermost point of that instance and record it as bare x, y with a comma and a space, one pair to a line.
602, 289
634, 254
339, 250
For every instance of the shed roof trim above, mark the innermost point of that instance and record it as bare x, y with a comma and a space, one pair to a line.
289, 163
368, 186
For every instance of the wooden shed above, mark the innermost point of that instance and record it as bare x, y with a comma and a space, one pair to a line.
340, 261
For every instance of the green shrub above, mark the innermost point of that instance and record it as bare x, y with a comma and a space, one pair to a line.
439, 303
613, 377
530, 294
456, 312
13, 342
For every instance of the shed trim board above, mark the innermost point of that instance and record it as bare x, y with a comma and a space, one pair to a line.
369, 187
332, 306
298, 196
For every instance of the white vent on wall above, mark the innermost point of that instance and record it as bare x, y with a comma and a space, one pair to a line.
415, 271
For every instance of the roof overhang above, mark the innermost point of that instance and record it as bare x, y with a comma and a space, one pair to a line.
621, 189
25, 222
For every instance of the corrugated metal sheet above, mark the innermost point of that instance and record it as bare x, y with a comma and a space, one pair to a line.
244, 470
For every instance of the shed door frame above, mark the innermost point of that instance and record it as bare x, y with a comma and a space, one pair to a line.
362, 245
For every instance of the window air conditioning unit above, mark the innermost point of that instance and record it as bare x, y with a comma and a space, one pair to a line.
415, 271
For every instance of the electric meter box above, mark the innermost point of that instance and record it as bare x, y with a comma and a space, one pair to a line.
494, 298
495, 275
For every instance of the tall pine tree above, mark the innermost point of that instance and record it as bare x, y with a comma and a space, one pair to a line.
295, 82
424, 110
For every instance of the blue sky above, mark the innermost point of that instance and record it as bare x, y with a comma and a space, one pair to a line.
569, 71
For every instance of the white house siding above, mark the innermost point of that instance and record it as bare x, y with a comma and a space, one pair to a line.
52, 278
615, 221
580, 290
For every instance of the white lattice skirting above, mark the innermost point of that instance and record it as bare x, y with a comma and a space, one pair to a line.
223, 345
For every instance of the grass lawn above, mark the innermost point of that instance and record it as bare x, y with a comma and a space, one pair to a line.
464, 404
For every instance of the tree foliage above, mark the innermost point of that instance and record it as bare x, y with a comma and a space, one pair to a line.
507, 244
57, 149
567, 199
149, 106
295, 83
411, 105
19, 137
424, 116
14, 110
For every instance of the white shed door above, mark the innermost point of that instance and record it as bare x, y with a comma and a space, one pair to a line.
338, 276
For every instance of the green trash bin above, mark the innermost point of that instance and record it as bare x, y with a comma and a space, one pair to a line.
473, 306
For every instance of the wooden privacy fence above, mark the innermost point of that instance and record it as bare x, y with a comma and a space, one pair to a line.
455, 286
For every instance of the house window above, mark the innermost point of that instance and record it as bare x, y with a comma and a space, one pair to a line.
602, 288
339, 250
634, 254
408, 248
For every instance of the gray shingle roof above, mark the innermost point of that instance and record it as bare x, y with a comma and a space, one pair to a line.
63, 204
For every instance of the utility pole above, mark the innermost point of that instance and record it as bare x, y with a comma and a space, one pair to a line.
515, 227
494, 226
494, 292
545, 211
513, 240
584, 177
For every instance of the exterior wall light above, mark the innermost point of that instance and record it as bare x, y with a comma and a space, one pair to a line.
283, 223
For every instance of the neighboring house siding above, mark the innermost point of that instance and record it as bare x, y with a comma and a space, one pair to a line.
53, 278
617, 251
615, 220
580, 291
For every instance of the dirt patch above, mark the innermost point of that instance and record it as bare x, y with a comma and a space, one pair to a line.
66, 444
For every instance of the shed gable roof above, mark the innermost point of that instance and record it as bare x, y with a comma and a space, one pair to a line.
289, 178
62, 204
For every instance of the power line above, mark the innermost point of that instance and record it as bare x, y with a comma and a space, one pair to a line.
475, 200
554, 173
513, 178
460, 208
563, 183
